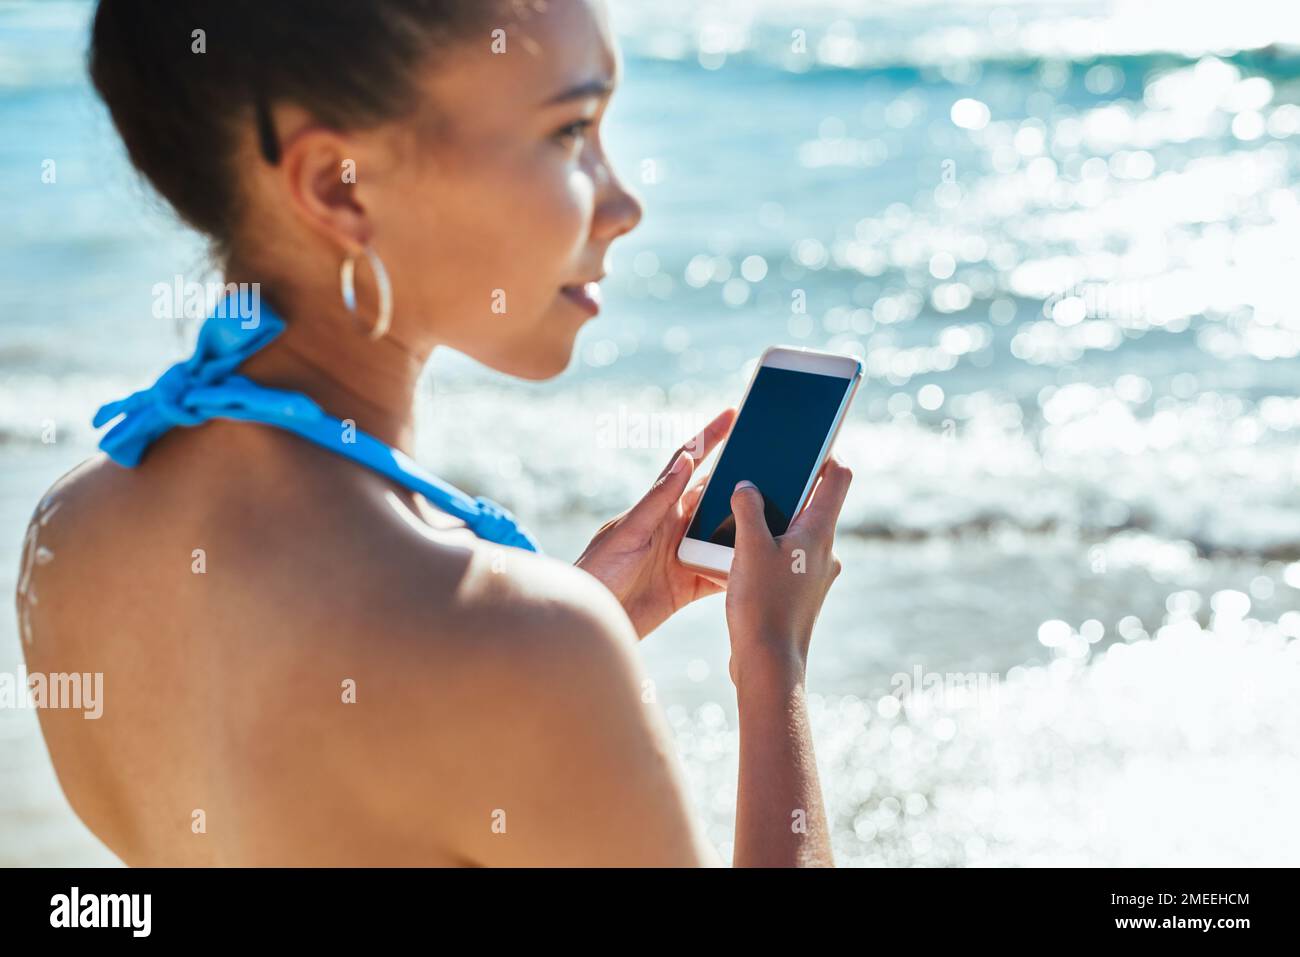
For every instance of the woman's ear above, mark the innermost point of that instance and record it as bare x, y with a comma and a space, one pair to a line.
321, 183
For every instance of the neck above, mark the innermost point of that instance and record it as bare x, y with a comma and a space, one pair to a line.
324, 353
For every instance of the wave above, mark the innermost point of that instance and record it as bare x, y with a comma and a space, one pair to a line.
856, 34
904, 35
1220, 475
1133, 755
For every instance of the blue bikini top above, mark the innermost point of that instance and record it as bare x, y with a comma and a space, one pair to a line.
205, 387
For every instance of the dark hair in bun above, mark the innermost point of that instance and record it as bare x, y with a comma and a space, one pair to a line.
350, 63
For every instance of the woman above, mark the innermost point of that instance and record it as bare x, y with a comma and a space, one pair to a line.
314, 654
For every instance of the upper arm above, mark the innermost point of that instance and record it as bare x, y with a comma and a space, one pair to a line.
570, 764
527, 740
501, 716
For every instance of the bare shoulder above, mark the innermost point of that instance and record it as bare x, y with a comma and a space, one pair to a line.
292, 544
77, 518
83, 490
457, 612
511, 718
517, 725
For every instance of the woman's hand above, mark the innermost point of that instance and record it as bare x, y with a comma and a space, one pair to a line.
635, 554
777, 585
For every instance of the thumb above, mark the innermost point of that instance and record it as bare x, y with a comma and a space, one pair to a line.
751, 526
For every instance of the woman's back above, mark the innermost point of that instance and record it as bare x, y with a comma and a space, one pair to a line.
252, 686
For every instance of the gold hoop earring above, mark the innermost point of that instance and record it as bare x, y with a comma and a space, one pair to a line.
347, 282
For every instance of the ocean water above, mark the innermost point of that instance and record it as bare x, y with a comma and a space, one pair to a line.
1063, 236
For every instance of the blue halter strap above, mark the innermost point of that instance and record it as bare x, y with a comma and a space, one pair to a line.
205, 386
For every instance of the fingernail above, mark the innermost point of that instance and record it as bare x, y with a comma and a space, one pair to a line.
679, 464
743, 483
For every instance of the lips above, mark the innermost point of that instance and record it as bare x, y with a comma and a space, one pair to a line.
586, 296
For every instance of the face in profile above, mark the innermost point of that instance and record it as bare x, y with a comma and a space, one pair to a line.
491, 227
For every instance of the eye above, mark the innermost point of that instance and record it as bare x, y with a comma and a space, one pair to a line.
574, 131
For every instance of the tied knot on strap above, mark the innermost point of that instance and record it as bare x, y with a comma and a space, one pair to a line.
169, 394
183, 395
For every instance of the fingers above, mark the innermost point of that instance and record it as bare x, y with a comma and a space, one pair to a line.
751, 526
705, 586
656, 506
716, 582
673, 482
704, 442
823, 510
692, 496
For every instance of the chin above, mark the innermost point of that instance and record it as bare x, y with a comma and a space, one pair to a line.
540, 362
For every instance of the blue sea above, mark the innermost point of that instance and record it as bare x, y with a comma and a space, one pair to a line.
1064, 237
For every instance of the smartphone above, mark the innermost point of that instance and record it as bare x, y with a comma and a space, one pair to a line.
788, 420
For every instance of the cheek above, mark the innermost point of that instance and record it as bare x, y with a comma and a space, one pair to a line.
534, 240
517, 227
549, 226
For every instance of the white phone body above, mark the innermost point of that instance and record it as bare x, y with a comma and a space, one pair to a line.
714, 560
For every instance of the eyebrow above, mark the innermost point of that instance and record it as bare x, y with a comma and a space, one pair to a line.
601, 87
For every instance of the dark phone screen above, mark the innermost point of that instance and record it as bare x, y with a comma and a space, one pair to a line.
774, 443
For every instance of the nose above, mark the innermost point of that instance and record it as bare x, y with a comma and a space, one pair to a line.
618, 209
